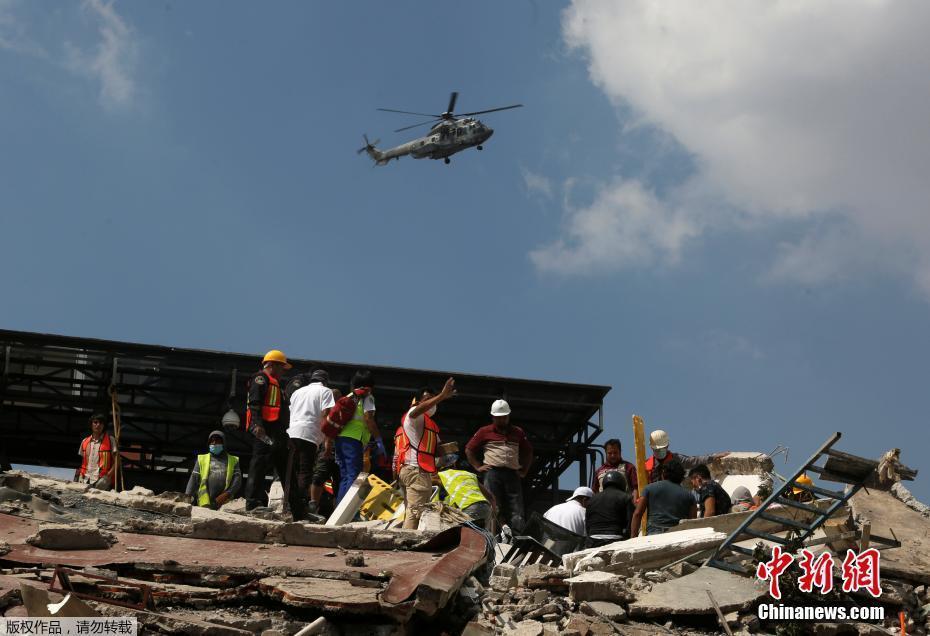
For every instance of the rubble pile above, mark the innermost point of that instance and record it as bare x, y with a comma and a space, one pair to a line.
179, 568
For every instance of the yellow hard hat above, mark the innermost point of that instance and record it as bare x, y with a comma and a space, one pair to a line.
803, 479
276, 356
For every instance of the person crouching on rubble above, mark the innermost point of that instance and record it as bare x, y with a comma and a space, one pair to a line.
418, 441
98, 455
216, 477
659, 442
610, 512
465, 492
711, 497
666, 502
743, 500
570, 514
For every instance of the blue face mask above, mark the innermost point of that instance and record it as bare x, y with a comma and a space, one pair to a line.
216, 449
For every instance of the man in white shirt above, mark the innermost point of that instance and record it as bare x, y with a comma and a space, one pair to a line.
571, 514
310, 405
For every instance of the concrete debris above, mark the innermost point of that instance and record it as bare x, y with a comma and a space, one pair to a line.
643, 553
83, 536
905, 497
229, 571
355, 559
891, 517
688, 594
604, 609
599, 586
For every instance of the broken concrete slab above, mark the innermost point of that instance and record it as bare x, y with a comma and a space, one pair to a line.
599, 586
688, 595
890, 517
729, 522
139, 500
643, 553
327, 595
603, 609
76, 536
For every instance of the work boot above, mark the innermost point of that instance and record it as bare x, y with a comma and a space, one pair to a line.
313, 507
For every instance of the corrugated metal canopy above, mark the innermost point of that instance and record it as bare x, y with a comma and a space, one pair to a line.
170, 398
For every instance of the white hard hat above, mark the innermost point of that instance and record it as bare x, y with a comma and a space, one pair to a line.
581, 491
658, 439
500, 407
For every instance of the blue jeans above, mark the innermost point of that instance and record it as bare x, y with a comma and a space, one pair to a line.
349, 456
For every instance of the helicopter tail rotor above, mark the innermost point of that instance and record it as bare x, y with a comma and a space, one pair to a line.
369, 145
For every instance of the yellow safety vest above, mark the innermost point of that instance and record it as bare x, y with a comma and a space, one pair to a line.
462, 488
203, 464
356, 428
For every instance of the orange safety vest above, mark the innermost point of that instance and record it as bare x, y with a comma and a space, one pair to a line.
271, 408
652, 468
104, 457
426, 449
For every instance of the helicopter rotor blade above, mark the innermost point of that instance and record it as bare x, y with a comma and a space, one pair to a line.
406, 112
490, 110
422, 123
452, 99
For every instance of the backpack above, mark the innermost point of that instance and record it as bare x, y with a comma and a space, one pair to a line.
343, 412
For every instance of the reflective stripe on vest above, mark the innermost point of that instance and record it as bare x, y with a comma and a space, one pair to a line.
652, 466
462, 488
203, 466
104, 456
271, 408
426, 449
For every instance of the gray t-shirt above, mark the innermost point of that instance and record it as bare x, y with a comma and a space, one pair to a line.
666, 505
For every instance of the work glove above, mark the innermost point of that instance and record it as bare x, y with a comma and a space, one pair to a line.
379, 447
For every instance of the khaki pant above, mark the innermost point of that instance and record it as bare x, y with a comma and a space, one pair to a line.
418, 487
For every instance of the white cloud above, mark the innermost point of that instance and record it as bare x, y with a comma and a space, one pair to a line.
113, 60
793, 110
626, 225
536, 183
13, 36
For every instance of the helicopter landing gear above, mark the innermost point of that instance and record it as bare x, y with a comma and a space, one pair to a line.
480, 147
447, 161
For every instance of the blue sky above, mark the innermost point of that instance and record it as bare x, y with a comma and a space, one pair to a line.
185, 174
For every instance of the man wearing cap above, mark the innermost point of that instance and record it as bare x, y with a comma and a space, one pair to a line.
571, 514
309, 406
266, 419
658, 441
505, 458
98, 455
216, 477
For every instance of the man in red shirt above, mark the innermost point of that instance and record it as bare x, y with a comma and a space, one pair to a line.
505, 458
614, 461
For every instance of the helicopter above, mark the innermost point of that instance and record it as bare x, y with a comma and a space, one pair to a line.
449, 134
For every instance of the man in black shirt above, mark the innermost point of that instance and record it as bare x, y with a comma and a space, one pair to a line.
609, 512
712, 498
